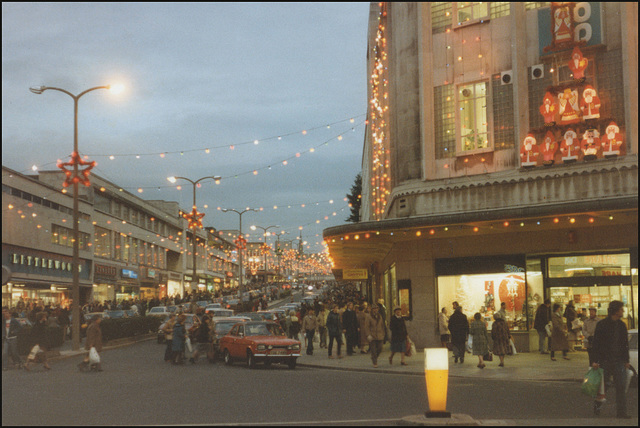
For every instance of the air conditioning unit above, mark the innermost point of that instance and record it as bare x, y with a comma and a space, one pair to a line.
506, 77
537, 72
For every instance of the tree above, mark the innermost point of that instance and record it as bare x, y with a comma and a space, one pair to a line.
355, 199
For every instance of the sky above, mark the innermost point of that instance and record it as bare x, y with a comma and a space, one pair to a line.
257, 84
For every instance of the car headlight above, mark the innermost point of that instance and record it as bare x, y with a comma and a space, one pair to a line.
295, 347
261, 347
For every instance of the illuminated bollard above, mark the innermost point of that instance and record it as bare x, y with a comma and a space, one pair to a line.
436, 373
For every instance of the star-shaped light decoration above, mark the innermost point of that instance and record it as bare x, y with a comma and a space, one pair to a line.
70, 178
241, 243
194, 218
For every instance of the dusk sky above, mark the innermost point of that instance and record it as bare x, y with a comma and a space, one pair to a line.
227, 77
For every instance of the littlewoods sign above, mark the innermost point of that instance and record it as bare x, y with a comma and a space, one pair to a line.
42, 262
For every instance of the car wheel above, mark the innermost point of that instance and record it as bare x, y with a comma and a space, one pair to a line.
227, 357
292, 363
251, 360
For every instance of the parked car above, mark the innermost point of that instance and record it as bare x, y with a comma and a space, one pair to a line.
189, 322
217, 312
259, 341
221, 326
253, 316
213, 306
633, 355
116, 314
158, 311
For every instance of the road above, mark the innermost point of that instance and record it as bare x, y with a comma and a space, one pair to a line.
138, 387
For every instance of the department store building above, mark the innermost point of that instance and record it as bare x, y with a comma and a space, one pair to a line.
500, 162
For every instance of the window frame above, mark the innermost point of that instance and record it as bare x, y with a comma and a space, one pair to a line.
489, 118
474, 20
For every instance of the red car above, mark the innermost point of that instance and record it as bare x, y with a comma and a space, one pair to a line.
259, 341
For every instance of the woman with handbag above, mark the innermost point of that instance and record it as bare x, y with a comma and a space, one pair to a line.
41, 343
558, 333
177, 344
93, 341
571, 315
398, 335
443, 327
500, 335
168, 337
478, 331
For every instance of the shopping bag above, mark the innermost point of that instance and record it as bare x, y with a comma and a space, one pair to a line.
94, 357
513, 347
576, 324
548, 328
470, 344
592, 382
488, 357
34, 351
187, 344
629, 375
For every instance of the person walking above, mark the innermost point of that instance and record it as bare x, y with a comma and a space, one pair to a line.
202, 338
501, 338
168, 337
443, 327
40, 339
376, 333
398, 335
611, 352
480, 346
179, 337
350, 326
362, 316
10, 330
503, 311
558, 333
334, 328
588, 330
93, 340
309, 325
459, 328
321, 320
543, 316
294, 328
571, 315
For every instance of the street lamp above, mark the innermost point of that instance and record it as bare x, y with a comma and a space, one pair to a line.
239, 245
194, 219
278, 254
264, 229
75, 180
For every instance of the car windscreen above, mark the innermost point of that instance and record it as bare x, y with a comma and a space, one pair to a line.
224, 327
263, 330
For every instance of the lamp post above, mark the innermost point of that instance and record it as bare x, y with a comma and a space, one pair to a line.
75, 180
194, 219
278, 254
264, 229
240, 238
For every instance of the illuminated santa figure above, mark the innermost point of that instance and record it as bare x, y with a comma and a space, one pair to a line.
548, 109
548, 149
570, 147
590, 144
569, 109
529, 152
590, 103
612, 142
578, 64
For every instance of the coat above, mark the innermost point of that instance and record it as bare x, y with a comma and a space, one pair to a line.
334, 324
375, 327
543, 316
177, 343
350, 324
500, 336
443, 323
610, 342
559, 340
459, 326
39, 335
362, 316
478, 330
398, 329
94, 337
570, 314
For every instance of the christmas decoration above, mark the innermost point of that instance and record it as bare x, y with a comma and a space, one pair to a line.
72, 179
590, 103
529, 152
562, 29
578, 64
194, 218
570, 147
612, 143
548, 149
548, 109
512, 292
569, 109
590, 144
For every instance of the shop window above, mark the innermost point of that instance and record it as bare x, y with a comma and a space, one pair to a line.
535, 288
473, 129
589, 265
484, 293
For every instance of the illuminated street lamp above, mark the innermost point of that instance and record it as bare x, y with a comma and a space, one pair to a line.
264, 229
74, 180
194, 219
239, 245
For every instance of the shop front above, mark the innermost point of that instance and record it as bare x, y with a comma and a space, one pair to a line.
174, 286
105, 282
128, 285
150, 280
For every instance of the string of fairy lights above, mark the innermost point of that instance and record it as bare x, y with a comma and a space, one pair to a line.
378, 109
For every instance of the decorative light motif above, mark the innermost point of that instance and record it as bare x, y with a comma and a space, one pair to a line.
194, 218
70, 178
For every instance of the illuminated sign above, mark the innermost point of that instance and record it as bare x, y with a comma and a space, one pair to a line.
566, 24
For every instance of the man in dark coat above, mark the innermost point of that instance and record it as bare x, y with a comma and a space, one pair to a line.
611, 352
350, 325
543, 316
459, 328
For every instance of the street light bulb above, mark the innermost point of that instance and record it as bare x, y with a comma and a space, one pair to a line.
116, 89
171, 179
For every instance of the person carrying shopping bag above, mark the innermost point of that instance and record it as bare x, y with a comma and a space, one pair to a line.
93, 344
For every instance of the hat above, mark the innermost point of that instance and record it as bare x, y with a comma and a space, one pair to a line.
593, 308
397, 308
381, 301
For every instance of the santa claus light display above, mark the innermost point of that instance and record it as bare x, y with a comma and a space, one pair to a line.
569, 107
548, 109
529, 152
612, 142
548, 149
590, 103
570, 147
590, 144
578, 64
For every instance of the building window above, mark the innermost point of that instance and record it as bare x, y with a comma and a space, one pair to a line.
531, 5
64, 236
134, 250
473, 129
117, 245
102, 203
502, 101
500, 9
440, 17
126, 247
470, 12
134, 216
445, 121
102, 242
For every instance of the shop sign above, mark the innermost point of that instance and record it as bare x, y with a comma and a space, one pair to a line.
105, 270
126, 273
355, 274
42, 262
189, 278
175, 276
151, 273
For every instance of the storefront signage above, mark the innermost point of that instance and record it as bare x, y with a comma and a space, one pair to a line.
126, 273
151, 273
105, 270
566, 24
354, 274
42, 262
